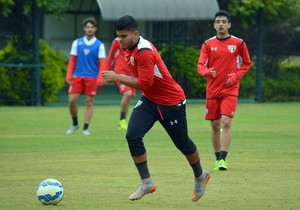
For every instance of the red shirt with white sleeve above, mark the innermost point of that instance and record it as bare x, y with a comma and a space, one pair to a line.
154, 79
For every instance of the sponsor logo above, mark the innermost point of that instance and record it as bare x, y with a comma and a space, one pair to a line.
173, 122
213, 48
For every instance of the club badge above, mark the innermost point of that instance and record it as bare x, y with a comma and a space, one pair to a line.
132, 60
231, 48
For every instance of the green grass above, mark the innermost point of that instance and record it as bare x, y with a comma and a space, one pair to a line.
97, 171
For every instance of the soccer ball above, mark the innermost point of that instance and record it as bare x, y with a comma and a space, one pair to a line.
50, 192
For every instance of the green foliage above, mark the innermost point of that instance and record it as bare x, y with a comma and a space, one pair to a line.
16, 82
182, 62
247, 84
5, 7
55, 7
52, 75
284, 86
279, 84
272, 9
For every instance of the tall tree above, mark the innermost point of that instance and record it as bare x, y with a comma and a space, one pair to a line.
275, 24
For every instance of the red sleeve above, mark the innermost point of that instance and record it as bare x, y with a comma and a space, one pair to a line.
111, 59
202, 62
71, 67
102, 62
245, 62
145, 61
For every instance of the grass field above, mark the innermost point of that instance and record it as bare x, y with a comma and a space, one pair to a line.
97, 171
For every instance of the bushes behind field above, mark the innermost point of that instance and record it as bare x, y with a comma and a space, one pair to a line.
283, 84
16, 81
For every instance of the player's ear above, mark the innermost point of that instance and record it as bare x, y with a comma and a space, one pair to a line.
136, 33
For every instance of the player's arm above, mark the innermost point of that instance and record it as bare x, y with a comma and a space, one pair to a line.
101, 64
146, 65
111, 56
111, 76
203, 62
145, 68
72, 62
71, 67
245, 66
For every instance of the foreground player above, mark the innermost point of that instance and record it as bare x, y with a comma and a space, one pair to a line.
162, 100
86, 61
116, 61
223, 60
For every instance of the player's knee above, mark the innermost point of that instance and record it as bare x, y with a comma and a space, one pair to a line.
226, 123
136, 145
188, 148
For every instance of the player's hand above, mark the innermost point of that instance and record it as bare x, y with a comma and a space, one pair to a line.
68, 80
232, 79
212, 71
109, 76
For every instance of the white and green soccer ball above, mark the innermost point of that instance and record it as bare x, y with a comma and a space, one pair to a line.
50, 192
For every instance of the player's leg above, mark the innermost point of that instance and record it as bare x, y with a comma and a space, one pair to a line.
228, 107
74, 92
89, 103
175, 123
127, 93
124, 106
141, 121
215, 140
90, 87
213, 114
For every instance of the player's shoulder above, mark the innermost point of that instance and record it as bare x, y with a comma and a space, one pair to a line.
210, 40
144, 44
237, 39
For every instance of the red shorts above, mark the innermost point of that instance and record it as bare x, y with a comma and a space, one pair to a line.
83, 85
222, 106
123, 88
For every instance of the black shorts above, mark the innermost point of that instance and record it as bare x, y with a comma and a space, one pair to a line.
172, 118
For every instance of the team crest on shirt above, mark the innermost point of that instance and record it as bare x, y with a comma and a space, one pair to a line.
132, 60
231, 48
86, 51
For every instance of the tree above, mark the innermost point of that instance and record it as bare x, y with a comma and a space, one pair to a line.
21, 24
272, 21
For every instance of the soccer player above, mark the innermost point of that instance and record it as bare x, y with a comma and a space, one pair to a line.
224, 60
87, 59
162, 100
116, 61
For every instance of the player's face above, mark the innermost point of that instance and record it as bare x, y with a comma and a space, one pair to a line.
128, 39
89, 30
222, 25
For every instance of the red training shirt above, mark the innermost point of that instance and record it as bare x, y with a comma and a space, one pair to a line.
116, 59
154, 79
227, 56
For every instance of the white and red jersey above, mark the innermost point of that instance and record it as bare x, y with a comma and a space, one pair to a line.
154, 79
226, 56
116, 60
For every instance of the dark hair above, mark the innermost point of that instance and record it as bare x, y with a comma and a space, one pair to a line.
126, 23
223, 13
91, 20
